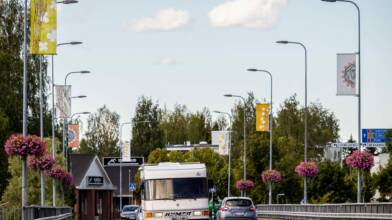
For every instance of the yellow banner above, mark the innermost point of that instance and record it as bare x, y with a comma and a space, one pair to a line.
43, 26
262, 117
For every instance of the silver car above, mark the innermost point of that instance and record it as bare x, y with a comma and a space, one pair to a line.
131, 212
237, 208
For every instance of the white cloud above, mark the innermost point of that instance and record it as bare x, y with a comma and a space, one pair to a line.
166, 19
247, 13
168, 61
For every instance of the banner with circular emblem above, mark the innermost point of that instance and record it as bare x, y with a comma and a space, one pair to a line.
346, 74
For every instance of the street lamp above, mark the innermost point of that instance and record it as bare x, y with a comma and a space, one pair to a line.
75, 72
270, 131
359, 187
229, 170
67, 2
277, 197
243, 99
54, 116
121, 148
306, 108
65, 119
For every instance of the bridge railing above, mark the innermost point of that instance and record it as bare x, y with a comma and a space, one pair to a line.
330, 208
47, 212
326, 211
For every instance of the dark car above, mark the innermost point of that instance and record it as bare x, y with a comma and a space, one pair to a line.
130, 212
237, 208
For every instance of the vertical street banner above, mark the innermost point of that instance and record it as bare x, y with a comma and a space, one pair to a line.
262, 116
126, 152
63, 101
346, 74
222, 139
73, 135
43, 27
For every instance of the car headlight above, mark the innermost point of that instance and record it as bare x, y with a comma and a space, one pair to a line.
197, 213
158, 215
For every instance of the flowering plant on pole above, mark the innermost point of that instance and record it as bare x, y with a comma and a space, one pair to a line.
362, 160
243, 185
23, 146
272, 176
306, 169
41, 163
61, 175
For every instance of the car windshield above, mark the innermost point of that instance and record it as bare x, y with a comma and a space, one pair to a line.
130, 208
178, 188
238, 202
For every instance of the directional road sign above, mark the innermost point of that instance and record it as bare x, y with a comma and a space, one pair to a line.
355, 145
374, 135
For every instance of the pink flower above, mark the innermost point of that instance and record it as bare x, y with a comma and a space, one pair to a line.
41, 163
362, 160
243, 185
61, 175
306, 169
19, 145
273, 176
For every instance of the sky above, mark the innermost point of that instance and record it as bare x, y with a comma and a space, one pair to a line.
192, 52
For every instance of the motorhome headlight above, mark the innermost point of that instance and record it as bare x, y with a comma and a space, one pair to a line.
158, 215
197, 213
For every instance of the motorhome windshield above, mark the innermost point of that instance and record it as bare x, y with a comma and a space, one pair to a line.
178, 188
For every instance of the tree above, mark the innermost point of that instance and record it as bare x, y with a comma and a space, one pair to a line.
102, 134
383, 180
199, 126
332, 185
174, 125
147, 133
289, 142
11, 74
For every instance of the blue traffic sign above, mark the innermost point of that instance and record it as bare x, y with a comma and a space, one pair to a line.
374, 135
213, 189
132, 186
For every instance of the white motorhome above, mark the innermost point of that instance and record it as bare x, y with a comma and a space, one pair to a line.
174, 191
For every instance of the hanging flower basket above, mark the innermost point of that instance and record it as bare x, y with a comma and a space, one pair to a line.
362, 160
61, 175
41, 163
306, 169
272, 176
23, 146
243, 185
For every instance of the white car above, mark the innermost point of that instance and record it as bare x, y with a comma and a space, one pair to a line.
133, 212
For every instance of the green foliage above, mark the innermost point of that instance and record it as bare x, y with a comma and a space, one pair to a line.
331, 185
147, 133
102, 134
11, 75
180, 125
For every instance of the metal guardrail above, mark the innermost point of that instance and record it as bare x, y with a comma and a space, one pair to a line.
326, 211
57, 217
47, 212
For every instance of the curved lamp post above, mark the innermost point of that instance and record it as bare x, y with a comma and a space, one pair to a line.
359, 187
229, 169
270, 131
54, 116
121, 146
306, 109
243, 99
